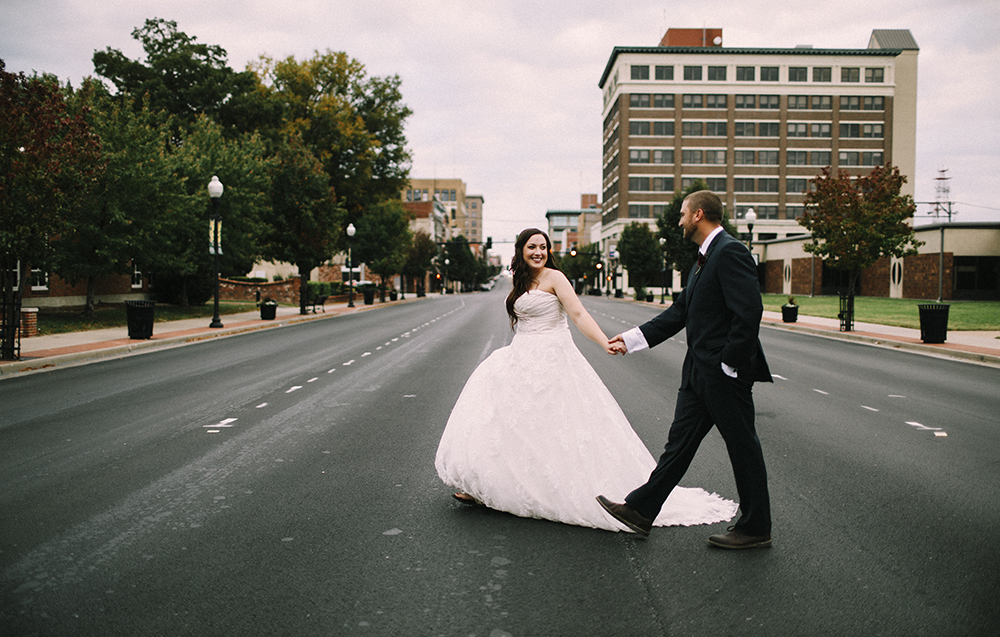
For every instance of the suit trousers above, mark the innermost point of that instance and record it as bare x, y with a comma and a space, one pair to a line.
703, 401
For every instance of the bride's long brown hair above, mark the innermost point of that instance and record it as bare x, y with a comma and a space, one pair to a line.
521, 271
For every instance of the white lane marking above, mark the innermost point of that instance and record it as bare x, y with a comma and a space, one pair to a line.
896, 396
212, 431
349, 362
332, 370
922, 427
261, 406
941, 434
294, 388
312, 380
224, 423
868, 408
410, 396
395, 339
777, 376
820, 391
366, 354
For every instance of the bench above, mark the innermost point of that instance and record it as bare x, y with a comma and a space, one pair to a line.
318, 301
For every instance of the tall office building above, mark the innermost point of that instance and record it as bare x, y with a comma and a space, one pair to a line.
756, 124
465, 211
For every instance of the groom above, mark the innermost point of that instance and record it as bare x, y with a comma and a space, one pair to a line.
721, 309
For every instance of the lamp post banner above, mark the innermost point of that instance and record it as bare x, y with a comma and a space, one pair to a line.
211, 235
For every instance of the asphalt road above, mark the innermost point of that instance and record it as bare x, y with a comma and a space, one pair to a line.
282, 483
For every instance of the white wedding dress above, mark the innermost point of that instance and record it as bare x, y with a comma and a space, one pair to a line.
536, 433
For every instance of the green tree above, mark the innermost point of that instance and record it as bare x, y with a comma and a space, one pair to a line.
183, 77
182, 263
681, 252
49, 158
354, 124
640, 254
461, 264
305, 222
120, 218
420, 258
383, 240
855, 221
579, 264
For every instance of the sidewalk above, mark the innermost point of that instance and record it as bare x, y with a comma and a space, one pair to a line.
41, 352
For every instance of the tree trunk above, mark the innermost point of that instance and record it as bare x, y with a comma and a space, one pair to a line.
303, 287
88, 308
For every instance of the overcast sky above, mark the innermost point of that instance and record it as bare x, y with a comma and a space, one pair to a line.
504, 93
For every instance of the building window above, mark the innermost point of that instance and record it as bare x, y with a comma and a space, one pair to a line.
871, 159
716, 184
822, 103
636, 211
796, 158
850, 130
638, 128
796, 186
743, 157
746, 74
874, 103
850, 74
819, 130
715, 157
798, 74
638, 100
716, 74
874, 75
794, 212
819, 158
663, 184
715, 101
663, 129
766, 212
692, 129
769, 101
768, 74
872, 130
767, 184
849, 158
691, 157
745, 129
769, 129
638, 156
663, 100
715, 129
768, 157
664, 72
693, 101
850, 103
658, 211
746, 101
797, 130
822, 74
798, 102
638, 184
663, 156
692, 73
640, 72
743, 184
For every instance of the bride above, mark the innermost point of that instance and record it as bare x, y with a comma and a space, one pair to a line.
535, 432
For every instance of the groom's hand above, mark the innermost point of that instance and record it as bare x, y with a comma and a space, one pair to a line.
618, 345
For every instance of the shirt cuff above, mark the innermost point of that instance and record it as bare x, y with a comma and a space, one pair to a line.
634, 340
729, 371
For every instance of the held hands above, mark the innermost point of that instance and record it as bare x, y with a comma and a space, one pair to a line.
616, 346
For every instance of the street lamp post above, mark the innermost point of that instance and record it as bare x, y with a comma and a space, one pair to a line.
444, 289
350, 265
751, 217
663, 274
215, 191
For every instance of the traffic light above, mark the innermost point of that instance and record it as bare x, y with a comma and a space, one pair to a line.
489, 243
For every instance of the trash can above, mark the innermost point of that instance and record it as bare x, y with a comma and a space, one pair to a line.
934, 322
789, 313
369, 296
268, 310
140, 318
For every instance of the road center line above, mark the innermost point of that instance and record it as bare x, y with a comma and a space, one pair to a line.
820, 391
294, 388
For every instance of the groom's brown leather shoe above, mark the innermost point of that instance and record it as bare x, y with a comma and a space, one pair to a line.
627, 516
737, 540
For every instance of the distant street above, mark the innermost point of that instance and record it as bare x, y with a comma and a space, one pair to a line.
281, 482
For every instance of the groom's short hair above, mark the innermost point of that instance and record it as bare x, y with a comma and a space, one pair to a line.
709, 203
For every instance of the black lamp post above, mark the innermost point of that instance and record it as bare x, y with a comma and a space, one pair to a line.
663, 274
350, 264
751, 217
215, 191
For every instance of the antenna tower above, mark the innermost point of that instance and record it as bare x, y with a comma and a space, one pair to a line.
942, 188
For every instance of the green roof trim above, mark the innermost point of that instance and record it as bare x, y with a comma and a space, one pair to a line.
692, 50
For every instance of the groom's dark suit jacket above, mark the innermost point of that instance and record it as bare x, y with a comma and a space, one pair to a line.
721, 308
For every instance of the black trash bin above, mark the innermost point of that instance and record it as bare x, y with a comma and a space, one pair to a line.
934, 322
369, 295
268, 310
140, 318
